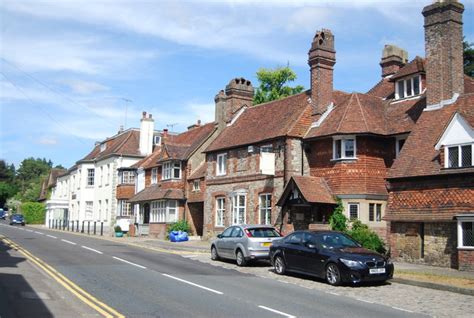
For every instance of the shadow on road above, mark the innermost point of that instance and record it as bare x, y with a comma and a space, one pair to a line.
17, 297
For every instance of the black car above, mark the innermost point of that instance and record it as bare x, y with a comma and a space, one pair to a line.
331, 255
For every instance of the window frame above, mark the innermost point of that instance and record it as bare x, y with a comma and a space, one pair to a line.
220, 212
169, 168
160, 211
265, 209
376, 213
221, 164
349, 204
90, 177
237, 208
89, 210
409, 81
343, 140
196, 185
459, 147
125, 208
460, 235
154, 175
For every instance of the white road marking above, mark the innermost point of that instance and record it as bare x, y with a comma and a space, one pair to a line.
397, 308
51, 236
193, 284
332, 293
276, 311
39, 233
189, 256
365, 301
69, 242
29, 230
91, 249
125, 261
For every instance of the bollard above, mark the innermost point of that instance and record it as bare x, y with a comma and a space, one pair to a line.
94, 227
82, 231
77, 227
49, 223
88, 227
101, 228
55, 224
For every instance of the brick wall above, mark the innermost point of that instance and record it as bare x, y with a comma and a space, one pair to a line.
466, 260
366, 175
125, 191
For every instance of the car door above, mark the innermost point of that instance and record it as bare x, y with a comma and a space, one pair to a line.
235, 238
310, 256
222, 244
293, 249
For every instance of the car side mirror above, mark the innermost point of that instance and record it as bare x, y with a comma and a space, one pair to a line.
219, 236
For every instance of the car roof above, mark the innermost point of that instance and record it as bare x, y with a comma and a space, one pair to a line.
247, 226
317, 232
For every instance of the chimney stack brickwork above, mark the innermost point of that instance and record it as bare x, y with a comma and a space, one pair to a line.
238, 93
444, 50
393, 59
322, 58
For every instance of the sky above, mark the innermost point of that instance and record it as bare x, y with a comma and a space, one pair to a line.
73, 72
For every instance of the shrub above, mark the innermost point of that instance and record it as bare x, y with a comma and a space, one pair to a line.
365, 236
33, 212
337, 220
117, 228
181, 225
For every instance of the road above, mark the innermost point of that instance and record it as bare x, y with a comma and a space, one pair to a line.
142, 283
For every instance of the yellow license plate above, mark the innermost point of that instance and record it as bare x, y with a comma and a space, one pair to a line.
266, 244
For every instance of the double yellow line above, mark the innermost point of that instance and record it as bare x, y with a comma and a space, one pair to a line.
77, 291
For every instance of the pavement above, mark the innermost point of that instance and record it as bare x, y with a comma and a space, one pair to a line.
439, 278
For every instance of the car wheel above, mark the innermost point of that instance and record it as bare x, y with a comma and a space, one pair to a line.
279, 265
241, 261
333, 276
214, 255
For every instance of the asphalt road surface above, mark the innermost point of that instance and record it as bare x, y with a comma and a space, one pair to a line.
142, 283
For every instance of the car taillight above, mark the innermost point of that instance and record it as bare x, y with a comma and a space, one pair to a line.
248, 233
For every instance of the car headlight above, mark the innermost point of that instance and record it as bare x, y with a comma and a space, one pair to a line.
350, 263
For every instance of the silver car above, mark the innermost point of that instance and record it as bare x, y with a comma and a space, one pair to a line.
244, 243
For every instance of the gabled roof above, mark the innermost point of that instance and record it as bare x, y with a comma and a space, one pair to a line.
182, 146
417, 65
155, 192
401, 116
419, 156
149, 161
312, 190
123, 144
265, 122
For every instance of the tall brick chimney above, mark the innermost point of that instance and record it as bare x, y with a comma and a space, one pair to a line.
393, 59
220, 109
322, 58
444, 50
238, 93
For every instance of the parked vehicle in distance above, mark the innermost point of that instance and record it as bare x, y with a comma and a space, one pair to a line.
17, 219
3, 214
330, 255
243, 243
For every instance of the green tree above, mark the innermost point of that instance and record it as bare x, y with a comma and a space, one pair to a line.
468, 58
273, 84
337, 220
7, 172
34, 212
7, 190
32, 171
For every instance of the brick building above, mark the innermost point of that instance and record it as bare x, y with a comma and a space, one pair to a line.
161, 186
431, 184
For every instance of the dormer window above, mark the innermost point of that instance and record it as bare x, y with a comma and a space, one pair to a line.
171, 170
459, 156
344, 147
103, 147
408, 87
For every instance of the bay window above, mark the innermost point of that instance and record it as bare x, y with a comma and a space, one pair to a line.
164, 211
344, 147
171, 170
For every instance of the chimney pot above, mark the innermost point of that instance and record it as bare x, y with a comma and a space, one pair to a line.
150, 116
144, 114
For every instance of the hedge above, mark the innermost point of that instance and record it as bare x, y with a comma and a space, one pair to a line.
33, 212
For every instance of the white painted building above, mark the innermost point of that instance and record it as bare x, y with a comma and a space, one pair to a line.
87, 191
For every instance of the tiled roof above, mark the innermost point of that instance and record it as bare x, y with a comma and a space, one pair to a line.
419, 156
149, 161
155, 192
264, 122
181, 146
383, 89
401, 116
200, 172
417, 65
359, 113
125, 144
313, 190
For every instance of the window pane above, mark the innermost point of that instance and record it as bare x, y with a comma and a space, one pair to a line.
467, 234
409, 87
349, 148
371, 212
466, 156
337, 148
401, 89
416, 85
453, 157
378, 216
353, 211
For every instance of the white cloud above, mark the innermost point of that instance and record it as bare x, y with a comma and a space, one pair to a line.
84, 87
47, 141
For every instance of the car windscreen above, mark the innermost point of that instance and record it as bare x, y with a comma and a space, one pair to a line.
18, 217
263, 232
337, 240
